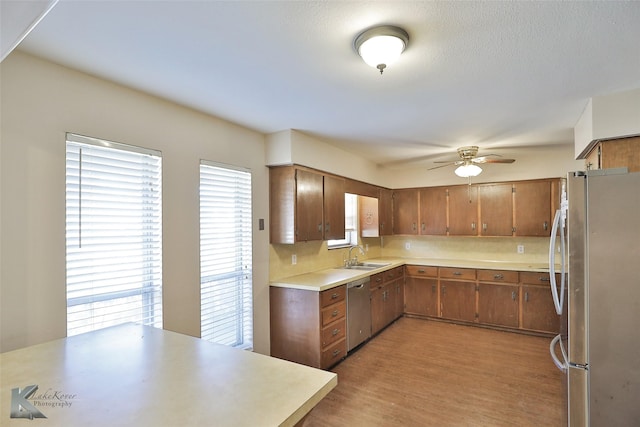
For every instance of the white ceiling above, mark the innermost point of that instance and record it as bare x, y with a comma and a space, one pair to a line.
501, 75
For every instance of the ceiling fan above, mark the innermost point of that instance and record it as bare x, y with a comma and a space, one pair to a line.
467, 165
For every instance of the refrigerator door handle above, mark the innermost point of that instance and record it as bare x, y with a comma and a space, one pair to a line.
563, 365
558, 301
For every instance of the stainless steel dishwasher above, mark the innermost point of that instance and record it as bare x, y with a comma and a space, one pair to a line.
358, 313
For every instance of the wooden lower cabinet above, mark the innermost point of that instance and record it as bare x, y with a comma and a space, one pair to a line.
387, 298
458, 300
498, 304
308, 327
421, 290
538, 311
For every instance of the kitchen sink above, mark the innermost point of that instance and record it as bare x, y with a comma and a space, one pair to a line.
365, 266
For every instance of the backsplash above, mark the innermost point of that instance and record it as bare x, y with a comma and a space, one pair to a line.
313, 256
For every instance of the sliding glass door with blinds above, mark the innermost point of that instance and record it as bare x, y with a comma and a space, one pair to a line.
226, 277
113, 234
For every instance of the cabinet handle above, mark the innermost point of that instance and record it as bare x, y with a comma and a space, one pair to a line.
335, 332
513, 295
473, 226
335, 313
334, 295
457, 273
444, 290
544, 279
421, 271
336, 352
327, 228
526, 297
423, 227
433, 289
413, 226
379, 279
545, 225
320, 228
484, 226
498, 277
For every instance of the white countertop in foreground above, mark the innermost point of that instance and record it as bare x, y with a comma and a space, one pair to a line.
135, 375
326, 279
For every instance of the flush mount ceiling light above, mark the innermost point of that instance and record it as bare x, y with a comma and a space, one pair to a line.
467, 170
381, 46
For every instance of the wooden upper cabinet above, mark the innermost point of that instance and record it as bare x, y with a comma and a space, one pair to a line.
463, 210
533, 208
309, 200
433, 211
305, 205
334, 214
385, 212
406, 211
615, 153
496, 209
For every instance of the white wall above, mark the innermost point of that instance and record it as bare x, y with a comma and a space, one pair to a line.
40, 102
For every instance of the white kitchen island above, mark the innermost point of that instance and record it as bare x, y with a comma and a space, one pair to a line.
134, 375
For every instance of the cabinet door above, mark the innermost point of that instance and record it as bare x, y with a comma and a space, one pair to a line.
378, 304
433, 211
496, 209
533, 208
458, 300
498, 304
538, 311
309, 201
333, 208
421, 296
398, 307
385, 210
463, 210
405, 211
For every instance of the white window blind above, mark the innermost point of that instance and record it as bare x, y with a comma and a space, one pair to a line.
113, 235
226, 270
350, 223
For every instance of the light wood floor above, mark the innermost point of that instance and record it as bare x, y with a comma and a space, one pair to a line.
426, 373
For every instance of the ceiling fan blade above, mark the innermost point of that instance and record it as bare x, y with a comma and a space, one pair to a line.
459, 162
442, 166
485, 160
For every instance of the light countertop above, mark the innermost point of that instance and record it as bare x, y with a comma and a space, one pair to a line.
329, 278
134, 375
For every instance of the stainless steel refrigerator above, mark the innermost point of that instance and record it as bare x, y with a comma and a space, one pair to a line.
600, 347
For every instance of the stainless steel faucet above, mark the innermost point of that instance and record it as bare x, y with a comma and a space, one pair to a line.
354, 260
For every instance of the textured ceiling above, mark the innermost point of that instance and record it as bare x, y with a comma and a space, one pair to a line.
501, 75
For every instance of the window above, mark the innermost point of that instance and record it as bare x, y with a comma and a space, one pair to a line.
350, 223
113, 235
226, 270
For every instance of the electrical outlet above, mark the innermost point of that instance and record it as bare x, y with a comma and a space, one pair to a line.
294, 259
520, 249
407, 245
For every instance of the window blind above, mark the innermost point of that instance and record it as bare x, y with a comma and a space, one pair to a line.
226, 270
113, 235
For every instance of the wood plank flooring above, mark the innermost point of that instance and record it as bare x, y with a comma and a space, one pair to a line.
427, 373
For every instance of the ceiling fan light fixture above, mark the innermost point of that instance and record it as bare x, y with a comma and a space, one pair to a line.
467, 170
381, 46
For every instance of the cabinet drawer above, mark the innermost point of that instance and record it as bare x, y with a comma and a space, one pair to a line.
458, 273
533, 278
498, 276
333, 333
332, 296
421, 271
376, 280
333, 313
332, 354
393, 274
